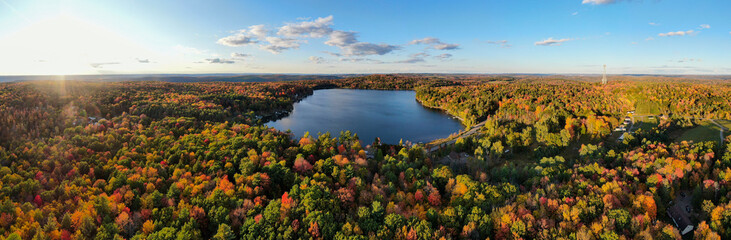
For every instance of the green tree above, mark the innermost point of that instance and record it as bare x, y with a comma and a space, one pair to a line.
88, 227
622, 218
14, 236
166, 233
224, 233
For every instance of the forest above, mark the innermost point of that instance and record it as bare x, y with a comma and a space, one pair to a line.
160, 160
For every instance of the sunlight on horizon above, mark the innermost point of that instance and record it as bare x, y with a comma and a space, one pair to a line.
65, 44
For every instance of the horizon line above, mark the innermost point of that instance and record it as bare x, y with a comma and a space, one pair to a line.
334, 74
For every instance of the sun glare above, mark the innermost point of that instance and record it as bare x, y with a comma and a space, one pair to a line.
66, 44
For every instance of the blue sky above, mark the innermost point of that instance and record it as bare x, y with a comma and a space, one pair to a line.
376, 36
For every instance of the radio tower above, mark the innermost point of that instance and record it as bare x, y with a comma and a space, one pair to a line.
604, 77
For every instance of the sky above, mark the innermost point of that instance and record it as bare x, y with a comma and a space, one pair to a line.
65, 37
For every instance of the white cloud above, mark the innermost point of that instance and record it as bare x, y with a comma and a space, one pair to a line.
342, 38
142, 60
236, 40
443, 57
361, 60
678, 33
278, 44
684, 60
101, 65
704, 26
317, 60
653, 24
349, 45
649, 39
427, 40
364, 48
575, 13
259, 31
242, 37
446, 46
290, 37
435, 43
502, 43
239, 55
598, 2
412, 60
320, 27
421, 54
552, 42
220, 60
334, 54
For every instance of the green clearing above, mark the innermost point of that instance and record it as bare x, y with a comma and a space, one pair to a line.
707, 131
645, 123
645, 106
727, 124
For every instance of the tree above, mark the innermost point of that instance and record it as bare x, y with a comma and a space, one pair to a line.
107, 231
622, 218
88, 227
434, 198
13, 236
124, 223
189, 231
224, 233
66, 221
166, 233
148, 227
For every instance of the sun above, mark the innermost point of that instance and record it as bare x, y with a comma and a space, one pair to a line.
66, 44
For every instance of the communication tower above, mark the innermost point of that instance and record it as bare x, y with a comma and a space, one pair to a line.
604, 77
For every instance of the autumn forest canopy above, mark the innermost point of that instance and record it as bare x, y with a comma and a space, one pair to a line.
548, 157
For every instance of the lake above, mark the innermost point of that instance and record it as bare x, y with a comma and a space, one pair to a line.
390, 115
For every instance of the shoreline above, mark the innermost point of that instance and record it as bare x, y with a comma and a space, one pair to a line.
461, 120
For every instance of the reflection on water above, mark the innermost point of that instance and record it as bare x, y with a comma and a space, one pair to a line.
390, 115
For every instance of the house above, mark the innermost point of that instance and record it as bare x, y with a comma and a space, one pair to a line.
621, 138
680, 218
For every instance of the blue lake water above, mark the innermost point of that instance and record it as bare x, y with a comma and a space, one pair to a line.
390, 115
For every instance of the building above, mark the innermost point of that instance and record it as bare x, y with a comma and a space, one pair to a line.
680, 218
620, 129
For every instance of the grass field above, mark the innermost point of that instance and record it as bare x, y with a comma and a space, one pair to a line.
645, 123
727, 124
646, 107
707, 131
